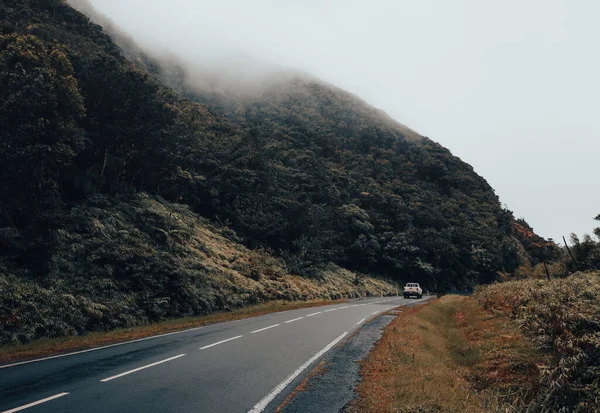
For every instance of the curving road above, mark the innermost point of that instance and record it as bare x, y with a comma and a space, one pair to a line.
237, 366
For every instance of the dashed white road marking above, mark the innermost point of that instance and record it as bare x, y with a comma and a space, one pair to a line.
141, 368
355, 305
331, 309
294, 319
264, 402
99, 348
220, 342
318, 312
361, 320
263, 329
27, 406
346, 306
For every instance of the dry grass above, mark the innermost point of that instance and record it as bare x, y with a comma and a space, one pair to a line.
448, 356
563, 317
48, 347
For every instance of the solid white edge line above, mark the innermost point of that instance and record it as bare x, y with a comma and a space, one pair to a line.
99, 348
294, 319
318, 312
346, 306
374, 313
27, 406
264, 402
363, 319
140, 368
263, 329
220, 342
331, 309
355, 305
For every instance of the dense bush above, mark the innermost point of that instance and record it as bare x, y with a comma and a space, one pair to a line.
586, 252
563, 316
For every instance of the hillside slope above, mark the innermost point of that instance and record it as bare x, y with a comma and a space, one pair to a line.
317, 173
106, 171
130, 260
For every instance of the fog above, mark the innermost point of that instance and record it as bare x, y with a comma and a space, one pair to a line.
510, 87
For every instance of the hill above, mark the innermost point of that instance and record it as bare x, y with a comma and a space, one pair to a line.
109, 167
322, 176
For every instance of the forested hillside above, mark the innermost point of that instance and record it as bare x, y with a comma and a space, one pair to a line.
322, 176
106, 171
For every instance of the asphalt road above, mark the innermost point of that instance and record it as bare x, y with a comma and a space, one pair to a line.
237, 366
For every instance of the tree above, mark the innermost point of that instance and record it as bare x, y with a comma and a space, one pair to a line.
40, 113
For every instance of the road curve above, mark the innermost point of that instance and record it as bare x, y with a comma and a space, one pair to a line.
237, 366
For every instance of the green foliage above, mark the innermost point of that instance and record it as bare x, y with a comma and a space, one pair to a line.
318, 174
563, 316
586, 252
538, 249
40, 112
132, 260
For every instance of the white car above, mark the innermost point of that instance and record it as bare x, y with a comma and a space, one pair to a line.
413, 289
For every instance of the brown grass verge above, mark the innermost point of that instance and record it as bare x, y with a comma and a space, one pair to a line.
49, 347
448, 356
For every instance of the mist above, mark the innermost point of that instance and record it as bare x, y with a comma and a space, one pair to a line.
509, 87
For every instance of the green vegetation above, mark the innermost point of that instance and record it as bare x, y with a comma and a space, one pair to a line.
106, 172
125, 261
586, 253
322, 177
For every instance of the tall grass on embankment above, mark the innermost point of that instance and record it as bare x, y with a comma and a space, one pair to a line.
563, 317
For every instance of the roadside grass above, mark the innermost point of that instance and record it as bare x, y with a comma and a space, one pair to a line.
562, 316
448, 356
53, 346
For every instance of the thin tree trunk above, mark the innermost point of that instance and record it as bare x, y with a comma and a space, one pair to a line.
572, 257
547, 272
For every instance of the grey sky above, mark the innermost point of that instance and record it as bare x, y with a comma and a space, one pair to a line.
511, 87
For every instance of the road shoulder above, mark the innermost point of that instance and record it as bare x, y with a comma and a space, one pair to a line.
330, 386
450, 355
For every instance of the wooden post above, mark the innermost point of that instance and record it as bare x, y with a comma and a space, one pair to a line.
547, 272
572, 257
